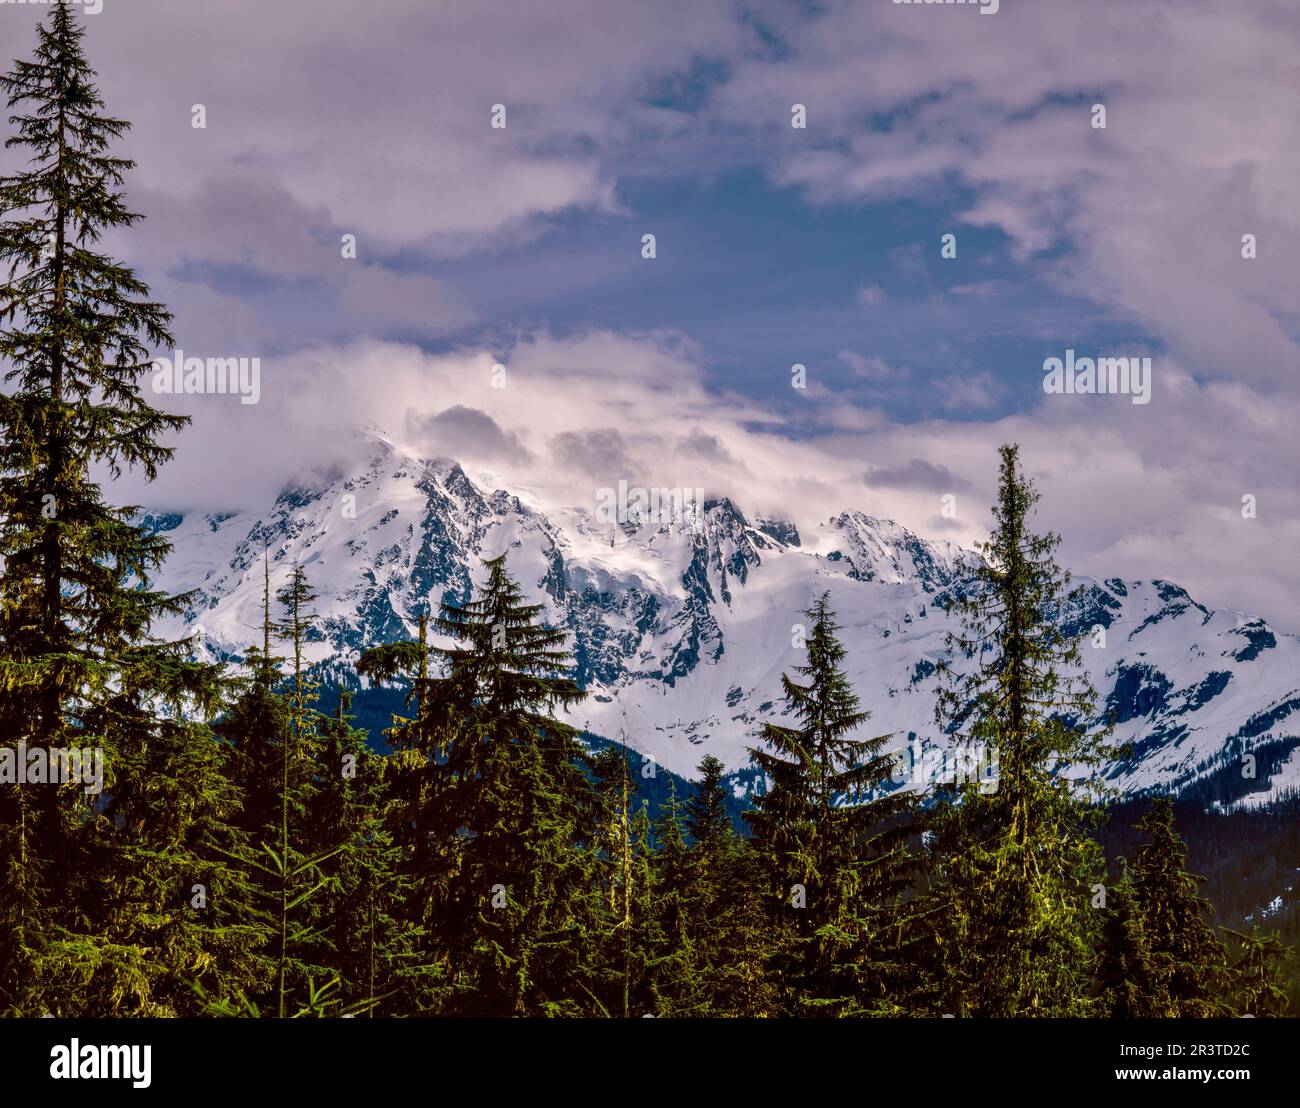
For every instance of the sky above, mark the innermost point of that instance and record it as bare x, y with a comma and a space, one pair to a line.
775, 246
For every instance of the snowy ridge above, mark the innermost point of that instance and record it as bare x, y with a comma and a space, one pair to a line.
680, 633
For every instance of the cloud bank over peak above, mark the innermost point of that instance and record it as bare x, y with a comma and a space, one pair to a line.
582, 413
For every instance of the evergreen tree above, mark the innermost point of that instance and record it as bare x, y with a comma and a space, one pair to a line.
80, 667
418, 789
365, 937
297, 597
517, 903
728, 913
630, 964
1013, 928
712, 835
165, 881
257, 728
293, 866
831, 841
272, 730
739, 983
712, 891
612, 836
1130, 983
644, 955
680, 989
1259, 973
1190, 959
406, 660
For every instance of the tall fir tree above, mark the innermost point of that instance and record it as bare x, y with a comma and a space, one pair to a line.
257, 728
80, 667
611, 835
831, 838
681, 989
1014, 867
273, 733
295, 863
727, 911
1190, 958
707, 819
419, 802
1131, 986
519, 899
631, 961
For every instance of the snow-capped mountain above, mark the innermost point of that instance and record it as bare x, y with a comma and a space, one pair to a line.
681, 630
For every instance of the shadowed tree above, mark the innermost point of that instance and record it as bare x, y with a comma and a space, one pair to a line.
1190, 959
80, 666
1130, 983
516, 899
1259, 972
831, 839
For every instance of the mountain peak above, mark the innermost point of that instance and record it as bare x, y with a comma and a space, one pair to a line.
681, 631
882, 550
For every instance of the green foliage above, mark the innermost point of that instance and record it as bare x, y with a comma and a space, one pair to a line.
723, 889
1131, 985
365, 936
1190, 960
96, 893
830, 838
1013, 865
1259, 972
631, 949
512, 870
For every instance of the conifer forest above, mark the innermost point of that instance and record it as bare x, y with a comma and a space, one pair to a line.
423, 829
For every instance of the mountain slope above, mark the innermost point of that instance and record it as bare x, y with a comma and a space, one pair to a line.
681, 630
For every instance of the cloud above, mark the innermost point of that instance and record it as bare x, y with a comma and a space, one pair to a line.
967, 392
699, 444
1115, 477
916, 474
409, 154
599, 454
871, 368
376, 122
377, 298
327, 118
1144, 217
466, 434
